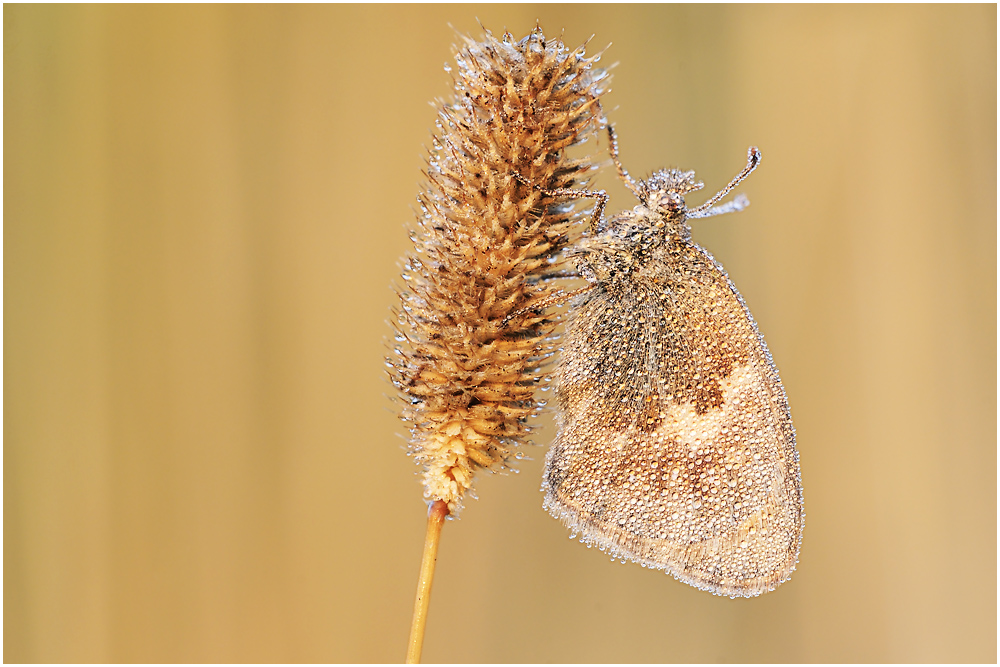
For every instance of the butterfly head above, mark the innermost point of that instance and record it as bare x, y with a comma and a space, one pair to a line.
664, 191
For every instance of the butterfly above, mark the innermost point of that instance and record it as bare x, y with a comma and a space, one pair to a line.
675, 446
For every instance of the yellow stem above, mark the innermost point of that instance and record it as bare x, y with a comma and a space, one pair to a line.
435, 519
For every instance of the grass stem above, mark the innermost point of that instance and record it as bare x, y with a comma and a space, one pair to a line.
435, 519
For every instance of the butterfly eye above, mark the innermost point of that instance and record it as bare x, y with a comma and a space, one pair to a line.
670, 202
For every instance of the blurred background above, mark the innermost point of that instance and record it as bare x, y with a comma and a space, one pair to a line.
205, 207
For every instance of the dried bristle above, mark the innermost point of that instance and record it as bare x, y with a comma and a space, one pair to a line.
469, 353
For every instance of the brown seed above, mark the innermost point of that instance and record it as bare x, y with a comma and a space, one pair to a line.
663, 369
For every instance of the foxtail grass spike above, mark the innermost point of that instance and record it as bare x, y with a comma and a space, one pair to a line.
491, 227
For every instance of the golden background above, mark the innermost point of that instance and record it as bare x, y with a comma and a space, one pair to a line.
205, 207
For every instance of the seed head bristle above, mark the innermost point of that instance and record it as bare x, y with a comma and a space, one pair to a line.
470, 353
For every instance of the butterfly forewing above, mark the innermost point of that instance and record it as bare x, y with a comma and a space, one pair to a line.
675, 446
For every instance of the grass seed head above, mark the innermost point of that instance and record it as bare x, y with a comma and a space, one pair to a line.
470, 349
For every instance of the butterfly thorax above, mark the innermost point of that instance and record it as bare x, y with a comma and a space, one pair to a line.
639, 241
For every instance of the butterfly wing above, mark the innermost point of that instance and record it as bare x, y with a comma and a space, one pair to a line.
675, 446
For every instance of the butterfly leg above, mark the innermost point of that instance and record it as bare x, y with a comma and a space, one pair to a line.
553, 299
600, 195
